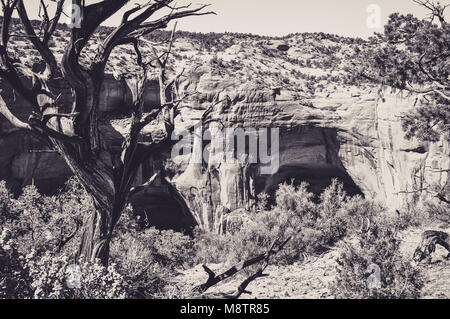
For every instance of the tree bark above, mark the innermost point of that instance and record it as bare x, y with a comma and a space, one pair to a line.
95, 238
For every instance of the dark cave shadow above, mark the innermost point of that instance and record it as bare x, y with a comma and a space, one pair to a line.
318, 175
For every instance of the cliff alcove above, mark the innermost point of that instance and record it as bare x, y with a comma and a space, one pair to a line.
308, 154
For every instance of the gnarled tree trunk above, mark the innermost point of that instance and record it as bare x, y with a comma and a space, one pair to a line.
106, 177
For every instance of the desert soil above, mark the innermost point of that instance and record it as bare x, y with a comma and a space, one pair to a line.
310, 279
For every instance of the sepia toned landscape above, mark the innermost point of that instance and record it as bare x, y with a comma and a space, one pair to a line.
141, 160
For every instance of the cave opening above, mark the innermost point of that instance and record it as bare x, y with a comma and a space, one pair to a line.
308, 154
160, 207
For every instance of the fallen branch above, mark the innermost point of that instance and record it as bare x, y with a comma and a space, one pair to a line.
214, 279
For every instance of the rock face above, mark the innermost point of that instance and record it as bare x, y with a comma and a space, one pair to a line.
24, 160
350, 135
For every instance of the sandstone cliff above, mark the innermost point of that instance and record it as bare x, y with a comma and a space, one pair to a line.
329, 127
353, 136
350, 135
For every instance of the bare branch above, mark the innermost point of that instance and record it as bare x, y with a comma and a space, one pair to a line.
4, 110
436, 10
8, 9
63, 241
48, 117
134, 10
45, 17
139, 188
148, 27
169, 49
37, 125
41, 47
440, 88
54, 22
442, 198
137, 27
214, 279
9, 72
242, 287
427, 90
76, 76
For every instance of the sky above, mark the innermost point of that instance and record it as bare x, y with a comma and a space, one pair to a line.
354, 18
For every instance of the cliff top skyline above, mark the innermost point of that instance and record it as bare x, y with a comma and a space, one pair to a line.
345, 18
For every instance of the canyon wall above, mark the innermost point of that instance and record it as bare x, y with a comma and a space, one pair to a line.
24, 160
352, 135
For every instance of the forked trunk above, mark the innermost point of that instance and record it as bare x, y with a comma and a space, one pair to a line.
106, 177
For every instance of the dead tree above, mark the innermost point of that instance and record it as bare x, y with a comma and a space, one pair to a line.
214, 279
436, 10
107, 177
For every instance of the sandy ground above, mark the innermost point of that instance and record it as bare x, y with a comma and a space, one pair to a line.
437, 273
310, 279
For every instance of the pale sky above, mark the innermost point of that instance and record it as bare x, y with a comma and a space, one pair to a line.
281, 17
